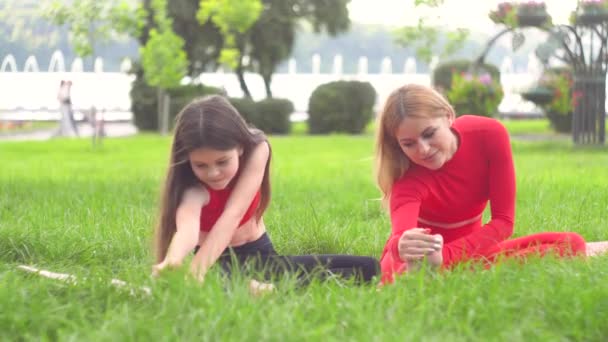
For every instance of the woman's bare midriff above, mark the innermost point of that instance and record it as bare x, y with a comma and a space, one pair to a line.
247, 232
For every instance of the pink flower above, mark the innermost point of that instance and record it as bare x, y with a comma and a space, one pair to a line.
485, 79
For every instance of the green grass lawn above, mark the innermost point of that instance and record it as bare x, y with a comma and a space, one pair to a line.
68, 208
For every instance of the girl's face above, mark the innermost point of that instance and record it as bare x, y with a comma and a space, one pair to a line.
215, 168
427, 141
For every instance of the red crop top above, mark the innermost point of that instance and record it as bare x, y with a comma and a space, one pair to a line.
217, 202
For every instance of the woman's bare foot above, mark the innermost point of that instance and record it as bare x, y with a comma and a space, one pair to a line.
597, 248
258, 289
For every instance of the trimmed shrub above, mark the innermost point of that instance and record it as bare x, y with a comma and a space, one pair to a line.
273, 116
246, 107
442, 75
341, 106
268, 115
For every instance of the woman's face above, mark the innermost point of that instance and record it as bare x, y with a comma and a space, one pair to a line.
216, 168
426, 140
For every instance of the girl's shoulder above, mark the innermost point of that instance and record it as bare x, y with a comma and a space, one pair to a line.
196, 196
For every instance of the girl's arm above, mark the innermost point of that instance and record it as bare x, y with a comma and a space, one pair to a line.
187, 221
221, 233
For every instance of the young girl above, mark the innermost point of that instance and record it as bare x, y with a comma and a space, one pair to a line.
216, 191
437, 173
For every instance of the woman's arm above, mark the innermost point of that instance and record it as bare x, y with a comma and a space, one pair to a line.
221, 233
501, 191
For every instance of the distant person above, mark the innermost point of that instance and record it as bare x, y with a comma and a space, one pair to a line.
437, 174
67, 125
96, 119
216, 191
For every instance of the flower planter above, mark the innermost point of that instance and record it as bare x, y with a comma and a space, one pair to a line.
539, 95
532, 19
561, 123
592, 17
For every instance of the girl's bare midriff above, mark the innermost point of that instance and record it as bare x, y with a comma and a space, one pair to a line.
247, 232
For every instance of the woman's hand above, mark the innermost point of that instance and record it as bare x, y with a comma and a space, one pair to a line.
417, 243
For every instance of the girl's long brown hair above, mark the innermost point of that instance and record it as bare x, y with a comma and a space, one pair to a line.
410, 100
210, 122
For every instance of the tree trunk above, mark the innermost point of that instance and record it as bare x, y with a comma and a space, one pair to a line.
240, 71
163, 110
267, 77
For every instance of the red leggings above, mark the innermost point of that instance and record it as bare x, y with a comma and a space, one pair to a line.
561, 244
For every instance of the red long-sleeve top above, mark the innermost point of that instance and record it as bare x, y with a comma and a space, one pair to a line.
481, 170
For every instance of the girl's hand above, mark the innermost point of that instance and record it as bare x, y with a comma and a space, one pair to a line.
197, 272
417, 243
156, 269
165, 264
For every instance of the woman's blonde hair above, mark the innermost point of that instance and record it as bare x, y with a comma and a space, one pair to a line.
410, 100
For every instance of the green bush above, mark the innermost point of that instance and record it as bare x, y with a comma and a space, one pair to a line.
442, 75
269, 115
342, 106
246, 107
475, 94
273, 116
144, 102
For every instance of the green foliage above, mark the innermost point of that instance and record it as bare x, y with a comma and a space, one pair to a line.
341, 106
163, 59
202, 43
475, 94
273, 116
92, 21
246, 107
232, 17
269, 115
424, 38
22, 24
442, 75
144, 102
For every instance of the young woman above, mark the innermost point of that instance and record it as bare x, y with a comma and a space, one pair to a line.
437, 174
216, 191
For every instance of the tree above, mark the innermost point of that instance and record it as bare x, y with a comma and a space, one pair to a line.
92, 22
272, 38
163, 59
233, 18
203, 43
425, 38
20, 21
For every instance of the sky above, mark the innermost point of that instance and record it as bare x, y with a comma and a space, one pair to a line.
471, 14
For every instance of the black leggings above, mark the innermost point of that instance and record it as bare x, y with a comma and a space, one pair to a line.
261, 258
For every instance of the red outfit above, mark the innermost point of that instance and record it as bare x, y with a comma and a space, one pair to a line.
215, 207
480, 170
